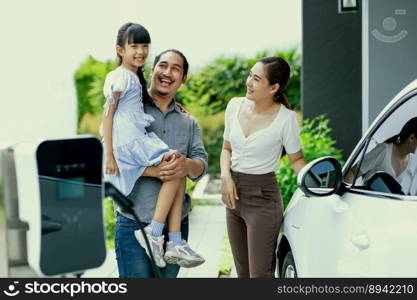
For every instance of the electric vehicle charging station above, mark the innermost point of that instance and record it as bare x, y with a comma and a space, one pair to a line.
51, 215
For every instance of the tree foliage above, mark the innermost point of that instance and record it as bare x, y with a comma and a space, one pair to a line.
89, 81
208, 91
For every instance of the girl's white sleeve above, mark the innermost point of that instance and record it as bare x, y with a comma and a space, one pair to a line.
291, 134
116, 82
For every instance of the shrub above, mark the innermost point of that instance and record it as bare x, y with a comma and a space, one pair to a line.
315, 142
226, 259
109, 221
89, 80
212, 132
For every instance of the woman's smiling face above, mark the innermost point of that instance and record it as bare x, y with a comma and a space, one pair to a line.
257, 84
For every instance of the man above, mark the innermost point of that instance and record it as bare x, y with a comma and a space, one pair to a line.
179, 131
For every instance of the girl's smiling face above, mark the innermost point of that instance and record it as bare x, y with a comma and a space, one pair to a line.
133, 55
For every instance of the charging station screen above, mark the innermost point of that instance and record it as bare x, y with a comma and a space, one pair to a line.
71, 188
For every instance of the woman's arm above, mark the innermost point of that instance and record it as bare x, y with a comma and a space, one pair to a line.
225, 159
297, 161
229, 192
111, 165
351, 174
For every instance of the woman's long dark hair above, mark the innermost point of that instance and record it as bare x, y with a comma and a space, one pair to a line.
278, 71
134, 34
409, 128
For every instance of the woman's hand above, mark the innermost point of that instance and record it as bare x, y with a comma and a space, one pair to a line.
229, 192
111, 166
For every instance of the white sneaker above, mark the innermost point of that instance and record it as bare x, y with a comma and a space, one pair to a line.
156, 243
182, 255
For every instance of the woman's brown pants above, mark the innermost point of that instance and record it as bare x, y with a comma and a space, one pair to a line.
253, 226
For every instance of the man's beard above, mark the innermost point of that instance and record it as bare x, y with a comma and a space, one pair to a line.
162, 93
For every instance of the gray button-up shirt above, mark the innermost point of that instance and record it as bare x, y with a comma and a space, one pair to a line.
181, 132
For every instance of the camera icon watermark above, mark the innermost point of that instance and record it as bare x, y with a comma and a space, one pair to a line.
390, 24
11, 290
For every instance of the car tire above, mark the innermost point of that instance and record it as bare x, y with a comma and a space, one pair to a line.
288, 266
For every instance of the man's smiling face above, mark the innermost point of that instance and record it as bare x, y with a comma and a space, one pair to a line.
168, 74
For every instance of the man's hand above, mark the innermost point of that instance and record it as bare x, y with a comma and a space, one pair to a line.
174, 169
154, 171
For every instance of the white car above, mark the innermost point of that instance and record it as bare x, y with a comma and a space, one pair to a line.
334, 227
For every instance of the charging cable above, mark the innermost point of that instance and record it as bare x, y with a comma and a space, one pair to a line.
127, 206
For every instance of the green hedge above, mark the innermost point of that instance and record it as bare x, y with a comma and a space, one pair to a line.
316, 142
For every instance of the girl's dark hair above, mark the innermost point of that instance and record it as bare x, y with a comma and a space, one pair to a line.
409, 128
278, 71
134, 33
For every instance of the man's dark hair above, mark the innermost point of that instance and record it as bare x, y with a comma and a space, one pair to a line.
184, 59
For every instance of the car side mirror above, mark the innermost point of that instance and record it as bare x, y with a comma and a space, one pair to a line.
321, 177
384, 183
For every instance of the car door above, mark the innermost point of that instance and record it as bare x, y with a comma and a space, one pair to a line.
364, 232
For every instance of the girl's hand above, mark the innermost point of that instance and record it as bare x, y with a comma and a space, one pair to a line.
171, 156
229, 192
111, 166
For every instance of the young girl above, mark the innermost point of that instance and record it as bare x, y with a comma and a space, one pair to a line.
129, 148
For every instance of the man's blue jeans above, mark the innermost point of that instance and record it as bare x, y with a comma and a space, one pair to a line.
132, 260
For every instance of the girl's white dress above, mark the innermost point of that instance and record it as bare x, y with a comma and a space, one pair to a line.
133, 147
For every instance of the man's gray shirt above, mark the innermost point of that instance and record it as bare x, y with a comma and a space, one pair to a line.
181, 132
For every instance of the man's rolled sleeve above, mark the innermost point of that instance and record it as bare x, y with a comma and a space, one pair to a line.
197, 149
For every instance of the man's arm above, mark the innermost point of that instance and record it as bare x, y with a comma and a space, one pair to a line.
198, 155
195, 168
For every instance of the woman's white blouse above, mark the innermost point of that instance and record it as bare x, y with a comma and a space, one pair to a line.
379, 159
259, 152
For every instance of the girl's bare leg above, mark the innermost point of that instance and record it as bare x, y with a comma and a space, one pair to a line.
175, 213
166, 198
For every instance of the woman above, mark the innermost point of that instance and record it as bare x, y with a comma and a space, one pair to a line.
257, 129
392, 156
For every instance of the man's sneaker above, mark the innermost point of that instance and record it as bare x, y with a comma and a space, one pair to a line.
182, 255
156, 243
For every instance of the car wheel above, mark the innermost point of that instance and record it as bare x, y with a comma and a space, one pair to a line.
288, 267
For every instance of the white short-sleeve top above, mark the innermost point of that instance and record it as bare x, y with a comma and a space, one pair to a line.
409, 182
259, 152
379, 159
